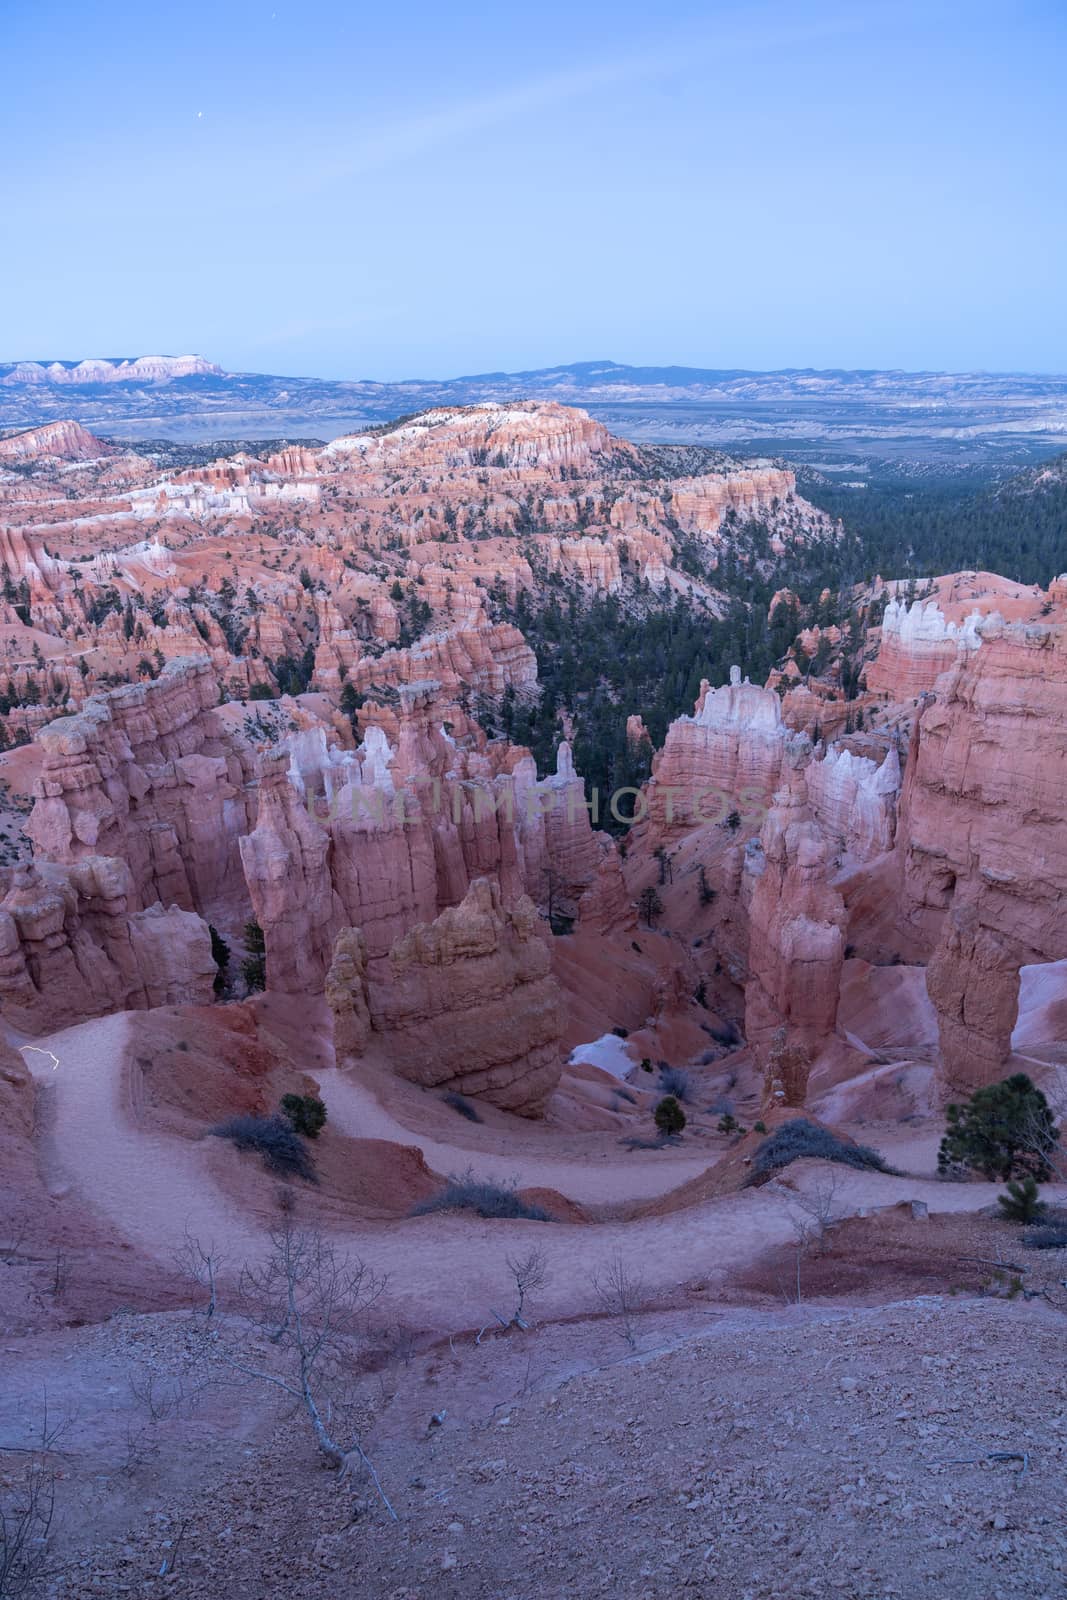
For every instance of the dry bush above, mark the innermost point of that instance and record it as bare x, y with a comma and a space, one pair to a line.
311, 1303
622, 1295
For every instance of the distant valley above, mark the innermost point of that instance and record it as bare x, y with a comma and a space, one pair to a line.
849, 424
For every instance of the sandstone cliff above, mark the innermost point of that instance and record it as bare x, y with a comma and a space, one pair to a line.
796, 923
466, 1002
983, 837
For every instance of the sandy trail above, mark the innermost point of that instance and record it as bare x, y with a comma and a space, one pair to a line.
596, 1176
445, 1271
148, 1186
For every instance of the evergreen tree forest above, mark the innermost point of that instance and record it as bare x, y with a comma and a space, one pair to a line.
1017, 528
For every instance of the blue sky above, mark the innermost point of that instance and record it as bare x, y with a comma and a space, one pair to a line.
426, 190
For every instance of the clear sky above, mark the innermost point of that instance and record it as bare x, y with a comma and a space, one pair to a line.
394, 191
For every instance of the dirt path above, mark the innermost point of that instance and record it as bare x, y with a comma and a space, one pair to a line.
445, 1271
595, 1176
148, 1186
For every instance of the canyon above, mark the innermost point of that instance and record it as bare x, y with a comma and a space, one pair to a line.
297, 801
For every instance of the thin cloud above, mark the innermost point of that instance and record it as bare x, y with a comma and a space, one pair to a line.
415, 136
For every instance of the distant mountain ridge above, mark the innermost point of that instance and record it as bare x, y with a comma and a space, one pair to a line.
835, 417
107, 369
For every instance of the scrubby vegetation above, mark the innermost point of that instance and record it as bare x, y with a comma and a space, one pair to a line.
306, 1112
273, 1138
254, 965
1022, 1203
1005, 1130
801, 1139
675, 1081
483, 1196
669, 1117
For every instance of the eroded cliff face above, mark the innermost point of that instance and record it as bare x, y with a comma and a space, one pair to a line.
983, 837
72, 946
796, 929
388, 558
466, 1002
917, 645
388, 836
725, 758
65, 441
147, 773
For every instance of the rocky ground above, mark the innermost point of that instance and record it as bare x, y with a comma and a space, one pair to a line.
908, 1449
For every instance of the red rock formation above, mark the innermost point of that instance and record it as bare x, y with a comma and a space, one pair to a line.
983, 837
796, 924
726, 757
917, 644
286, 867
466, 1002
853, 798
64, 441
72, 946
147, 773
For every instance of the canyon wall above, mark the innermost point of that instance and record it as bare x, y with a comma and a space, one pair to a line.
796, 922
983, 837
147, 773
465, 1003
72, 946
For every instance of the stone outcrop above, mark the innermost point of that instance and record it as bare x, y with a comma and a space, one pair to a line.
287, 869
917, 645
65, 441
72, 946
389, 836
466, 1002
147, 773
346, 995
853, 798
727, 757
142, 369
983, 837
796, 923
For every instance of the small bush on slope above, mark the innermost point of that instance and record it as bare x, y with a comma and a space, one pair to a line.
273, 1138
306, 1112
669, 1117
488, 1199
795, 1140
675, 1081
1022, 1203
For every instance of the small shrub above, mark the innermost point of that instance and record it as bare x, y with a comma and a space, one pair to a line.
759, 1127
220, 954
669, 1116
646, 1064
306, 1112
795, 1140
621, 1033
1022, 1203
483, 1196
1047, 1236
254, 972
728, 1123
460, 1103
273, 1138
650, 906
675, 1081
